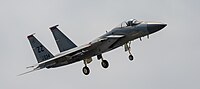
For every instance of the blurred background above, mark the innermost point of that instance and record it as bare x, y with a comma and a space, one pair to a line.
168, 60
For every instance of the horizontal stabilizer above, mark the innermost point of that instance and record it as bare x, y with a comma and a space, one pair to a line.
35, 69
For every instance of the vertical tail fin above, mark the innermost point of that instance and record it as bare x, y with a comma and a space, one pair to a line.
39, 50
63, 42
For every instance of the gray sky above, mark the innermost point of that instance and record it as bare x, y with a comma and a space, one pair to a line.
168, 60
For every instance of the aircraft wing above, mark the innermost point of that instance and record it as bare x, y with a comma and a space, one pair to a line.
58, 57
75, 50
35, 69
65, 53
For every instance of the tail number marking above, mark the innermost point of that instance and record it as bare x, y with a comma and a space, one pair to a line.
40, 49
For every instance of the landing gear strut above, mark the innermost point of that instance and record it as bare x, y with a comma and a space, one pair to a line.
130, 55
85, 69
104, 63
128, 48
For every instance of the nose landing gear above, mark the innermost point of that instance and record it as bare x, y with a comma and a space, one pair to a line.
128, 48
131, 57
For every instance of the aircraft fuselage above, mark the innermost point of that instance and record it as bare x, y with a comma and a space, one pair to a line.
71, 53
129, 32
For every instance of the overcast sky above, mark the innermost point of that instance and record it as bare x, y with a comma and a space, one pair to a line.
170, 59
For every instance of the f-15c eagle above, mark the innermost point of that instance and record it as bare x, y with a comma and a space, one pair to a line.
71, 53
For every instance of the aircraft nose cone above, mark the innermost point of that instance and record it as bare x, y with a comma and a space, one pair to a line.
154, 27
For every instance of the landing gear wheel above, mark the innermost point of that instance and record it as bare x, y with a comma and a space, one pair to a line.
130, 57
86, 70
104, 63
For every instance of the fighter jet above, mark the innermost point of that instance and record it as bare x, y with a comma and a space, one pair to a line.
70, 53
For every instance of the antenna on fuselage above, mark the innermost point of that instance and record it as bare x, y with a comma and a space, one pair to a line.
148, 36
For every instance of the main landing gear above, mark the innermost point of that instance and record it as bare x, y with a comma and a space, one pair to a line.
128, 48
104, 63
85, 69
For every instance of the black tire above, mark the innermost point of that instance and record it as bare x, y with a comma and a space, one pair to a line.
86, 70
104, 63
131, 57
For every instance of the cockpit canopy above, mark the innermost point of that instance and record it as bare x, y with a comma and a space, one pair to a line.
131, 22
